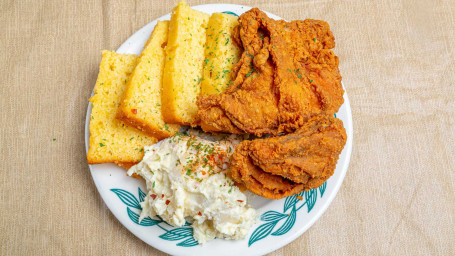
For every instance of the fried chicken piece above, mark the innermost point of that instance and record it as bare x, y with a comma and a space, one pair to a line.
286, 75
252, 109
245, 173
281, 166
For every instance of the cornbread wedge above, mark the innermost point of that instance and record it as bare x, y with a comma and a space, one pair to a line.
111, 140
141, 104
221, 53
183, 65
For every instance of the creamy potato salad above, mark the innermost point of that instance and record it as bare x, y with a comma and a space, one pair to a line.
186, 180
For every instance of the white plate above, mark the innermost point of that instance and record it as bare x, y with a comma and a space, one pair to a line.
281, 222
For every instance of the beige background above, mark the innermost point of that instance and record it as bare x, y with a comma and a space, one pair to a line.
398, 65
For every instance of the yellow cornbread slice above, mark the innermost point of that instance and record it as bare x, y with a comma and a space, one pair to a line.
141, 104
183, 64
111, 140
221, 53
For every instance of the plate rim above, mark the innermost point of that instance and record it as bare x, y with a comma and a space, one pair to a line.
281, 242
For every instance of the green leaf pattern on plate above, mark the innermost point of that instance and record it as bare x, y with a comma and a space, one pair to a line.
127, 198
262, 231
142, 195
287, 225
272, 218
144, 222
185, 233
177, 234
228, 12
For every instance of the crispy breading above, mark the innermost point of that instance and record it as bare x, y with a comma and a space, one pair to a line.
286, 75
280, 166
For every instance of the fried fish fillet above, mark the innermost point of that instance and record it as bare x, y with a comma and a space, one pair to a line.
286, 75
280, 166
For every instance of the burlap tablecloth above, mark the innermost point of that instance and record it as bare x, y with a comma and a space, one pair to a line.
398, 65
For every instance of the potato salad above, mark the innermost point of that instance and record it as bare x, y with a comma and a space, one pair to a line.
186, 181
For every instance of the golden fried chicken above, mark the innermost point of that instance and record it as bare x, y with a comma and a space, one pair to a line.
284, 165
286, 75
